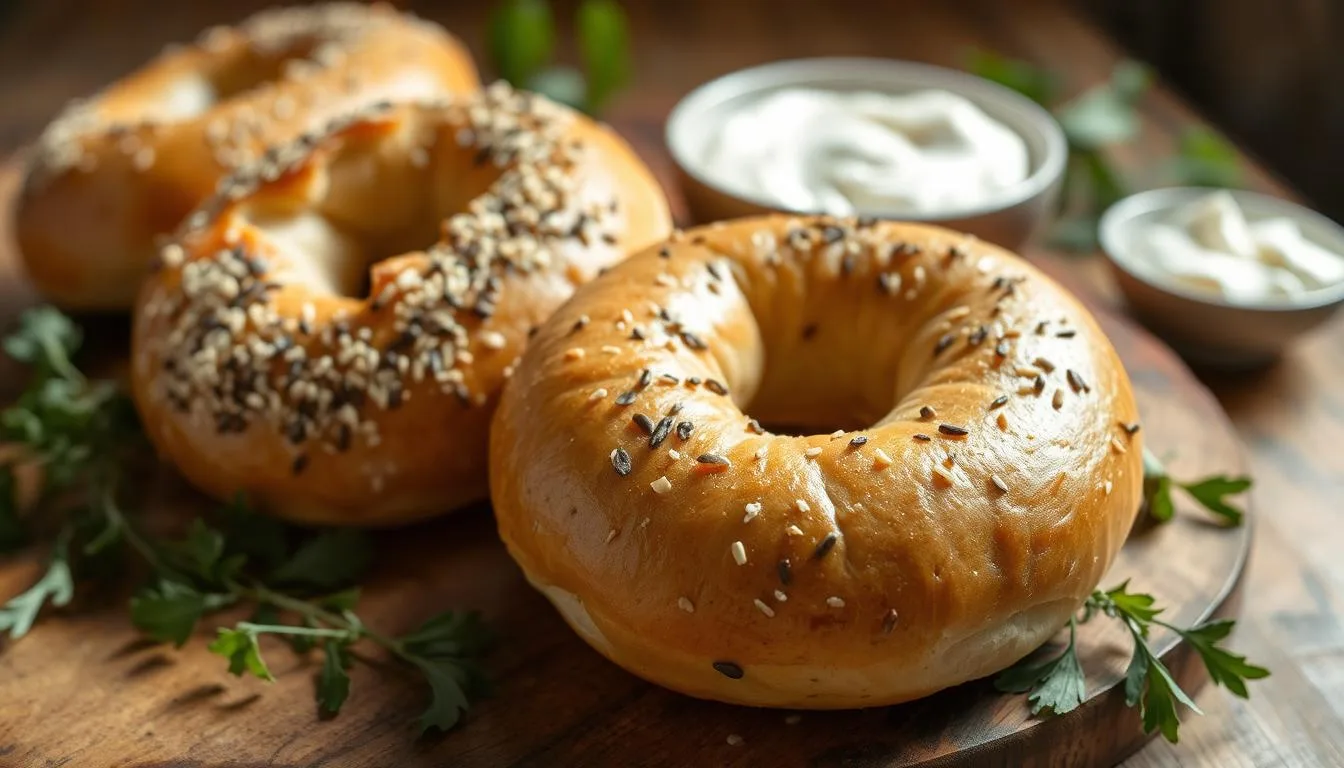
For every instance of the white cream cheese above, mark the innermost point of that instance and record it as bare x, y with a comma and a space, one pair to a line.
816, 151
1209, 244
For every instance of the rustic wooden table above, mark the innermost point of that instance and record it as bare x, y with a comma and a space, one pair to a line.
1291, 417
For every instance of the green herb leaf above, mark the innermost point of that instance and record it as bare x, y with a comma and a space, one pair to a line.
522, 37
261, 539
604, 46
333, 683
1132, 605
1161, 694
1157, 488
240, 647
13, 532
1105, 114
1038, 84
1225, 668
1057, 685
1212, 493
1205, 159
451, 634
562, 84
448, 685
168, 612
45, 339
327, 561
56, 586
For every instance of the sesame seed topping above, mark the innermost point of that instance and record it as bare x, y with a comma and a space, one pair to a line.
493, 340
763, 608
579, 324
998, 402
825, 546
1076, 381
927, 412
881, 459
693, 341
645, 378
1118, 446
739, 551
1066, 334
998, 483
923, 438
661, 485
728, 669
761, 453
1058, 400
977, 336
952, 430
780, 596
812, 452
625, 398
684, 430
835, 602
685, 604
574, 353
674, 454
793, 530
660, 432
1131, 428
944, 473
597, 394
620, 459
752, 510
714, 386
1106, 487
610, 349
734, 740
802, 505
1044, 365
837, 434
889, 621
1002, 421
714, 460
785, 571
944, 341
611, 535
858, 441
643, 422
1001, 349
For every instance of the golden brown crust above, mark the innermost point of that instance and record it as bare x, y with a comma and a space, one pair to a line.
263, 363
993, 484
129, 163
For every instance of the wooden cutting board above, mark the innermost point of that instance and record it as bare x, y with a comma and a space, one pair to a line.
82, 689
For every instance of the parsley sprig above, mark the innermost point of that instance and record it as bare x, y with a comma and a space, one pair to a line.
83, 439
1058, 685
1211, 492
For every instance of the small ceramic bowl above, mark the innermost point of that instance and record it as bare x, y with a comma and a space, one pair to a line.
1206, 328
1010, 221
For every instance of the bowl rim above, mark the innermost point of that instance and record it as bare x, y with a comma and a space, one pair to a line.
1125, 210
816, 71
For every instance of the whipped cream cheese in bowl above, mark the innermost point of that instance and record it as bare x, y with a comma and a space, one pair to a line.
869, 137
1228, 277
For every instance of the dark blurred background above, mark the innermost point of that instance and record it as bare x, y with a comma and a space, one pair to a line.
1267, 72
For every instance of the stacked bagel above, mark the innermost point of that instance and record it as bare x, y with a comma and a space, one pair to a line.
363, 287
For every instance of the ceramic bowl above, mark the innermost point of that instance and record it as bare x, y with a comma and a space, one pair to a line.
1206, 328
1011, 220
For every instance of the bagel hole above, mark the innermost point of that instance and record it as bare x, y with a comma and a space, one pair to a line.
374, 204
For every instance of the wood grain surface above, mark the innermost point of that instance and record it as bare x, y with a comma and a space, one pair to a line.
1291, 418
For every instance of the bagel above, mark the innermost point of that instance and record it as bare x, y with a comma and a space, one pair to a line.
329, 334
128, 164
984, 469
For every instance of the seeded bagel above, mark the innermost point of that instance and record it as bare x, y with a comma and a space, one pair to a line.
329, 334
965, 466
114, 172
